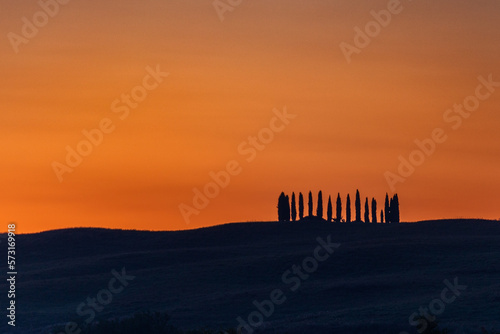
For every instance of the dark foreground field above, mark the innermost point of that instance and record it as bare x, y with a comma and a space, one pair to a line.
372, 282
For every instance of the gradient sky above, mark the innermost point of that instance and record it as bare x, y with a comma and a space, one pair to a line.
353, 120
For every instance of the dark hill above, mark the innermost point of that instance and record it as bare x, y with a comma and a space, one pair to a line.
374, 281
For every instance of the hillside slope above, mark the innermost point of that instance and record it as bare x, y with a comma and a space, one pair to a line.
371, 283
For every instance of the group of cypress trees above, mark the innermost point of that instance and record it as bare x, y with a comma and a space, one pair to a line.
287, 211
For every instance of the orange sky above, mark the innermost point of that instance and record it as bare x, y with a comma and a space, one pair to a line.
353, 120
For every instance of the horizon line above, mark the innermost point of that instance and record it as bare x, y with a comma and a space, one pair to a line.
262, 221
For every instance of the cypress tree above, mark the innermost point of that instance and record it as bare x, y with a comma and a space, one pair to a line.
395, 208
294, 208
310, 204
358, 206
348, 210
387, 209
301, 206
367, 211
374, 210
319, 209
281, 207
339, 209
391, 212
381, 216
287, 209
329, 210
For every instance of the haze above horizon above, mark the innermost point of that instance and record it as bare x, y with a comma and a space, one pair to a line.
114, 116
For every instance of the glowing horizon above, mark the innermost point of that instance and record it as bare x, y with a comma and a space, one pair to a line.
179, 90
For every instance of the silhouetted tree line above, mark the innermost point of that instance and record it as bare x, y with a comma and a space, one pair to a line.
389, 214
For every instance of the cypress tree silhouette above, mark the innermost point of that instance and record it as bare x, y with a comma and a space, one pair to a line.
329, 210
301, 206
391, 212
367, 211
338, 219
287, 209
374, 210
358, 206
310, 204
395, 209
319, 209
387, 210
348, 210
281, 207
